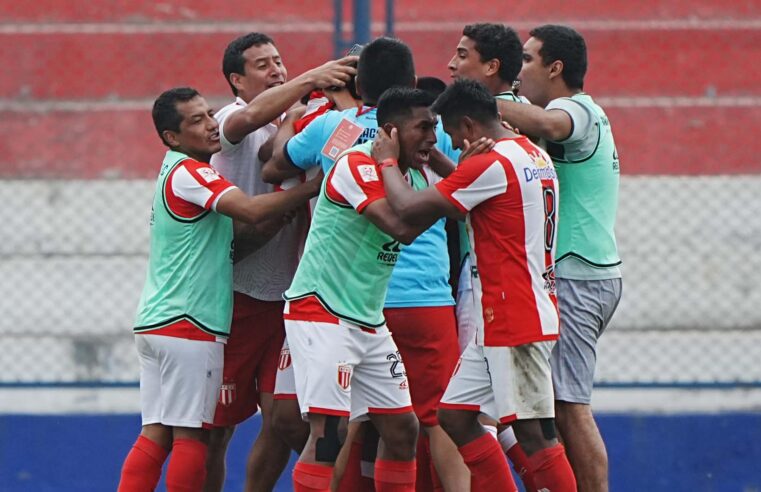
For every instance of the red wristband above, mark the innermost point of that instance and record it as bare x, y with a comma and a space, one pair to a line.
390, 162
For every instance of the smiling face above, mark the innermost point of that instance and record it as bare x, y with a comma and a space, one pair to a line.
263, 69
199, 131
417, 136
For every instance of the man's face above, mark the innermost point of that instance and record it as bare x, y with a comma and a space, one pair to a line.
456, 132
534, 75
263, 69
199, 131
417, 136
466, 62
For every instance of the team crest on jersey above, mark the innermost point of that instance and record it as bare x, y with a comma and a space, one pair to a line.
368, 173
227, 394
208, 174
549, 280
344, 376
285, 359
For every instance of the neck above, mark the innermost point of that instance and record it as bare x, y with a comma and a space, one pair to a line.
496, 132
205, 158
501, 88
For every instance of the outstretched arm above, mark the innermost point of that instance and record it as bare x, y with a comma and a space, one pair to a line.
554, 125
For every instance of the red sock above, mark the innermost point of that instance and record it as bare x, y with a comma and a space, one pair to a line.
395, 476
552, 470
488, 465
351, 481
424, 479
522, 467
186, 471
142, 467
311, 477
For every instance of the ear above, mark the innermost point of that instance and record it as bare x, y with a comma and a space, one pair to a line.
170, 138
467, 125
492, 67
556, 69
235, 81
387, 127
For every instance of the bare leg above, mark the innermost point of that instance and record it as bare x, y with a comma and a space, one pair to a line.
269, 454
450, 467
584, 445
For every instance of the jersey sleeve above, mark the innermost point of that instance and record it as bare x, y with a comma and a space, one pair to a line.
355, 180
198, 184
583, 128
474, 181
303, 149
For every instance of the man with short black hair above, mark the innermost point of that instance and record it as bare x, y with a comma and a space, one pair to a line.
257, 76
508, 195
579, 139
183, 318
344, 360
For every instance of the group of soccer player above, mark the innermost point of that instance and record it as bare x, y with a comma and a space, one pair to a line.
300, 265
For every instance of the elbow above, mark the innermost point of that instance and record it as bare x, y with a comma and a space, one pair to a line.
406, 234
550, 130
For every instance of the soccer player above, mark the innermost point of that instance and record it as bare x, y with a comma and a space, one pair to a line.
579, 139
345, 362
509, 197
255, 72
492, 55
419, 302
184, 313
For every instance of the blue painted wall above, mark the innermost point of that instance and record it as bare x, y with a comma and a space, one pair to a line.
697, 453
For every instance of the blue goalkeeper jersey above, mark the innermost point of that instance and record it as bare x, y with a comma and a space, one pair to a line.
421, 275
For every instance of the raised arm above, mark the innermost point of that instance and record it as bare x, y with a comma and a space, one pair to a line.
271, 103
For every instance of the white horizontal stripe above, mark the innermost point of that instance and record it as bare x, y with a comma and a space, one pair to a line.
50, 401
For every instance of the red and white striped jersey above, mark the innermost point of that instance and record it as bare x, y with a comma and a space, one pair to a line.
510, 195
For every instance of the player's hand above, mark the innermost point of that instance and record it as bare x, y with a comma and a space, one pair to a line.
480, 146
334, 73
315, 183
385, 146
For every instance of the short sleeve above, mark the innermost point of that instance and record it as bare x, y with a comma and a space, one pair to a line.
474, 181
303, 149
195, 183
582, 120
355, 180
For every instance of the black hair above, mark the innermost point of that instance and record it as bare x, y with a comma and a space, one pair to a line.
564, 44
466, 98
165, 114
384, 63
397, 103
433, 85
500, 42
233, 61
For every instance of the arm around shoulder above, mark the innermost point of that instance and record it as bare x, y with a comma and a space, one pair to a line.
553, 125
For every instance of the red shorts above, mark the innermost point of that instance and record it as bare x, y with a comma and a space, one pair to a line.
251, 357
427, 339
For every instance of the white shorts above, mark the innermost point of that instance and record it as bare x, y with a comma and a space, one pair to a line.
179, 380
505, 383
346, 371
285, 381
465, 310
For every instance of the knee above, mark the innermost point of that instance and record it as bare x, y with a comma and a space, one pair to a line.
287, 422
403, 435
452, 422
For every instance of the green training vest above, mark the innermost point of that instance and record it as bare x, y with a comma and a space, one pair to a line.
189, 268
588, 195
347, 261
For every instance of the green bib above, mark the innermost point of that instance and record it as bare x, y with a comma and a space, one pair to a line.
347, 261
589, 184
189, 266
